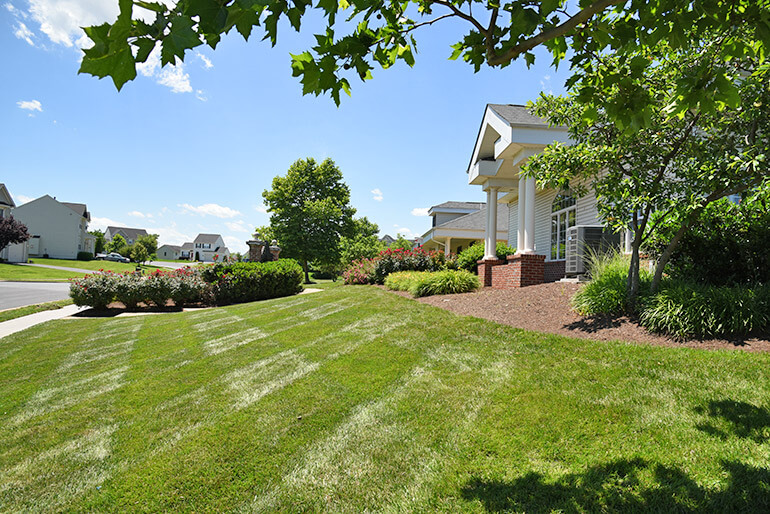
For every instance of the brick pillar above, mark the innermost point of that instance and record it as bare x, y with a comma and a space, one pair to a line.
485, 270
527, 269
255, 249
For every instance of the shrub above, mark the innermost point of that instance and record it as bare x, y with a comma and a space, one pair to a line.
360, 271
250, 281
685, 310
129, 289
470, 257
416, 259
96, 290
188, 287
606, 292
403, 280
445, 282
158, 287
85, 256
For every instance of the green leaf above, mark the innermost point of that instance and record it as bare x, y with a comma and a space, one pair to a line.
118, 64
182, 37
145, 47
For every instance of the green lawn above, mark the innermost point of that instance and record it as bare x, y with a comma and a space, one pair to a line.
357, 399
92, 265
32, 274
32, 309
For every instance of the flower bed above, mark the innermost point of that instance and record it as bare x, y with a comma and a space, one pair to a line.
210, 285
374, 271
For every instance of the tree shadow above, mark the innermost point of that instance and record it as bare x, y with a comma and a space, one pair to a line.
741, 419
593, 324
624, 485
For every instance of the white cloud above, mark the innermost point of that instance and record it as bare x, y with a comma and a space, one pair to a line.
200, 95
62, 20
420, 211
22, 199
171, 76
407, 233
211, 209
239, 226
235, 244
206, 61
103, 223
171, 235
30, 105
22, 32
261, 208
138, 214
377, 195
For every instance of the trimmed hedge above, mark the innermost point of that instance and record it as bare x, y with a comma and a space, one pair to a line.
250, 281
424, 283
217, 284
85, 256
469, 258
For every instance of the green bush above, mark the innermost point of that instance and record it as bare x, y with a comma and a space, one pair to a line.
470, 257
249, 281
606, 292
403, 280
685, 310
85, 256
424, 283
129, 289
399, 259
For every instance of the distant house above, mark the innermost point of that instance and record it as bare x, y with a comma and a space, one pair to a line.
458, 225
205, 248
389, 240
58, 229
129, 234
170, 252
15, 252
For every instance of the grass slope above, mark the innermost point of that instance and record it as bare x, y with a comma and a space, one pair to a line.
33, 274
356, 399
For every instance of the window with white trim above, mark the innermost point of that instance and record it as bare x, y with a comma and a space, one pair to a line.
563, 216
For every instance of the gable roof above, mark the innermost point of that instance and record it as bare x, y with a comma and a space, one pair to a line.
186, 246
130, 233
517, 114
207, 238
79, 208
6, 195
176, 248
478, 220
458, 205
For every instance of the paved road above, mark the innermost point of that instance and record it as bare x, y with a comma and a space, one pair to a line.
172, 265
60, 268
19, 294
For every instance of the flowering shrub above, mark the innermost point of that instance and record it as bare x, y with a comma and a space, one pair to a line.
360, 271
416, 259
129, 289
95, 290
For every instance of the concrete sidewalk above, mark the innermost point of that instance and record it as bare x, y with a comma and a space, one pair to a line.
61, 268
17, 325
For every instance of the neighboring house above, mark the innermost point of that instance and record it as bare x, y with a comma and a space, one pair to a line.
170, 252
206, 248
58, 229
15, 252
129, 234
457, 225
389, 240
537, 218
185, 251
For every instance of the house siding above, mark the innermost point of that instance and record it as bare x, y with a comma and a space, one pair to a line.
58, 226
587, 213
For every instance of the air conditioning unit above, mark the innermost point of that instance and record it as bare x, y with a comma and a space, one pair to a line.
584, 241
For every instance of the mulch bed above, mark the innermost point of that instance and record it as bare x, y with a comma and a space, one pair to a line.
546, 308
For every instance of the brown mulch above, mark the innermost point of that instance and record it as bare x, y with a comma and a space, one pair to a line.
546, 308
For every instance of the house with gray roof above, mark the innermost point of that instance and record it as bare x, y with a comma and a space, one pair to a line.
458, 225
58, 229
208, 248
127, 233
170, 252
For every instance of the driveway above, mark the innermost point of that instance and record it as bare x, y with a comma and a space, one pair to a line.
172, 265
19, 294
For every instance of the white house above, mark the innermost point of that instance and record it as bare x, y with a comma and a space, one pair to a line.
15, 252
185, 251
458, 225
537, 218
208, 248
58, 229
129, 234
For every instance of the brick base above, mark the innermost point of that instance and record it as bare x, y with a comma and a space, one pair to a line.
555, 270
485, 270
522, 270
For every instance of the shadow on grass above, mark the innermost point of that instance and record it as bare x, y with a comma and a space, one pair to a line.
593, 324
626, 486
741, 419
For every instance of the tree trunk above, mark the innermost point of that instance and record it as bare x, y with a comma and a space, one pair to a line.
669, 251
307, 275
632, 284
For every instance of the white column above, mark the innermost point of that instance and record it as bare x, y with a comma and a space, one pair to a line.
448, 247
522, 213
490, 243
529, 211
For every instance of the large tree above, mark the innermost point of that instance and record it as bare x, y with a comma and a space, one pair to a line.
359, 34
310, 211
362, 243
680, 162
12, 232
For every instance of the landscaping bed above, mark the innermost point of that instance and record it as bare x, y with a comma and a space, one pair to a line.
546, 308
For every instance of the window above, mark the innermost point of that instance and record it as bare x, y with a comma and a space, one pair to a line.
563, 216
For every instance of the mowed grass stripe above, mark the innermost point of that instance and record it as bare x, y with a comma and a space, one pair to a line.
386, 404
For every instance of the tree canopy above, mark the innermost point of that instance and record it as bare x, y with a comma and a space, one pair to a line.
12, 231
361, 34
310, 211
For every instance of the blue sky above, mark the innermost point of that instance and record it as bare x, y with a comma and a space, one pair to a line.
190, 149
